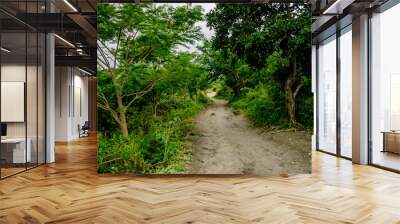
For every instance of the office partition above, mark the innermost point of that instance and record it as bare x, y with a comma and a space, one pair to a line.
22, 77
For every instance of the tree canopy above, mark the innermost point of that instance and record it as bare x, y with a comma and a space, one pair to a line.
149, 90
137, 47
263, 43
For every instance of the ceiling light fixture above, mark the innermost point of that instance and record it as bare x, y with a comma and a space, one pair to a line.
5, 49
84, 71
65, 41
70, 5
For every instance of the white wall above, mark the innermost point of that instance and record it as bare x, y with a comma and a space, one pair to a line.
62, 81
71, 94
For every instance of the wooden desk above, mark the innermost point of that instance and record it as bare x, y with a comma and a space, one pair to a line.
391, 141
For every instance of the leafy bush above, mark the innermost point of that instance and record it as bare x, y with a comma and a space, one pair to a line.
125, 155
224, 92
157, 144
305, 111
259, 106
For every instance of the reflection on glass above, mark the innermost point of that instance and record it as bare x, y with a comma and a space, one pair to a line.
346, 92
15, 151
385, 93
327, 95
22, 90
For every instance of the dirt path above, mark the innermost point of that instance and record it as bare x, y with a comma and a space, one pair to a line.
226, 143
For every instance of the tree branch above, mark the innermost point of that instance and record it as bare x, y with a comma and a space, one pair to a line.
139, 94
105, 105
296, 91
105, 60
117, 48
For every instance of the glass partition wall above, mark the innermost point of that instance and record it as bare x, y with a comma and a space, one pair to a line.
385, 89
22, 77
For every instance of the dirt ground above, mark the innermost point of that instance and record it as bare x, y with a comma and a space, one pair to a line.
225, 142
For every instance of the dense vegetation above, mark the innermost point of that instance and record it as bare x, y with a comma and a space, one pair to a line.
261, 54
149, 91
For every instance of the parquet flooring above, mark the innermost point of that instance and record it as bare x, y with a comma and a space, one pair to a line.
70, 191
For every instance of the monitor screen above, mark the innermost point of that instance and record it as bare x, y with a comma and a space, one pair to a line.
3, 129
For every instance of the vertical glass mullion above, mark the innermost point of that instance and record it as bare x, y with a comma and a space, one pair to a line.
1, 165
26, 86
369, 55
317, 97
37, 90
338, 74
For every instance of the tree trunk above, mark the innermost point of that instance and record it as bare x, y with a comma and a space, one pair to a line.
123, 124
290, 101
292, 87
121, 109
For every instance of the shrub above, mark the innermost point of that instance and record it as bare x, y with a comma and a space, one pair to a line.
260, 107
305, 110
119, 154
157, 144
225, 93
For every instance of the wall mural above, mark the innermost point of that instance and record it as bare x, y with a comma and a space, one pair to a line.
204, 89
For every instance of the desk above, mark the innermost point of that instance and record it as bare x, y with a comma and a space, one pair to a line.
391, 141
15, 148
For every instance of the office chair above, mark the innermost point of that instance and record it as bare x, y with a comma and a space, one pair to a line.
84, 130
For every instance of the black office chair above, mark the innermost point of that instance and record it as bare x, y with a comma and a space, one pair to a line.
84, 130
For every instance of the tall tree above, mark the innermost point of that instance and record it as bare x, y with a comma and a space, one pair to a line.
135, 42
259, 35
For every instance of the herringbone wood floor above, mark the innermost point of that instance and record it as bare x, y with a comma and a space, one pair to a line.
70, 191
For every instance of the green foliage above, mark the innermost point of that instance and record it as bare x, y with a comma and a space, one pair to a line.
259, 105
261, 52
159, 143
138, 58
305, 108
221, 89
119, 154
147, 90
